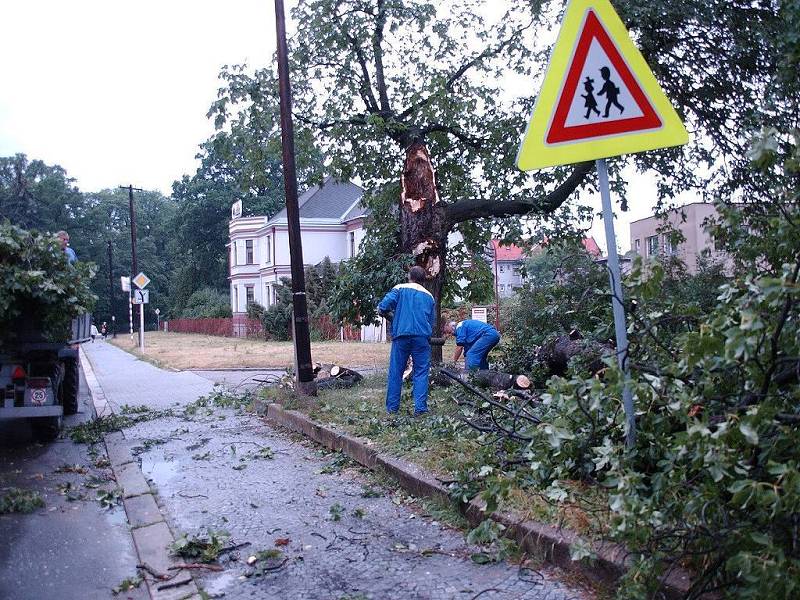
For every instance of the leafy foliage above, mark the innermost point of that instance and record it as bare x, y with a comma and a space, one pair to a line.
16, 500
203, 547
207, 303
713, 480
38, 287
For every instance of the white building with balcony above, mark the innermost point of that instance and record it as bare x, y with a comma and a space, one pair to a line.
331, 224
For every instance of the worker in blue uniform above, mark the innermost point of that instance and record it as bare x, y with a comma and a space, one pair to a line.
414, 316
475, 339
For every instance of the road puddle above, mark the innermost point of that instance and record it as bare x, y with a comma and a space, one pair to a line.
160, 471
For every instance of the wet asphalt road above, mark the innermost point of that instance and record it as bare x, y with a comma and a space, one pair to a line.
68, 549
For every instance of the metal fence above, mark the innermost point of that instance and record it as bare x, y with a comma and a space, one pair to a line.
323, 328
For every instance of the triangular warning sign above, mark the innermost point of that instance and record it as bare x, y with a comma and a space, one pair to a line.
599, 97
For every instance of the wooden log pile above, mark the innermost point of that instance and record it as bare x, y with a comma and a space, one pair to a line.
335, 376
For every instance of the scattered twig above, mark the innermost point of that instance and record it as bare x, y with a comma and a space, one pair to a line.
158, 575
173, 584
196, 566
182, 495
482, 592
234, 547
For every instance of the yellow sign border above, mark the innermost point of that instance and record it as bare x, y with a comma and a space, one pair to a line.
535, 153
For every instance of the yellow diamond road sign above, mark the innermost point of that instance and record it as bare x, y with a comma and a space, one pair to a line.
141, 281
599, 97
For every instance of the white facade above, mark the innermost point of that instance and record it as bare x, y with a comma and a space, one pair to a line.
258, 250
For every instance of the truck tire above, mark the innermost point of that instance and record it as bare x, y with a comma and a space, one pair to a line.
70, 386
46, 429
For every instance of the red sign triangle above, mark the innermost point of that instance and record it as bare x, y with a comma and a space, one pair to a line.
559, 131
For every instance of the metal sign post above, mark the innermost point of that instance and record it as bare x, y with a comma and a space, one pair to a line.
141, 280
615, 276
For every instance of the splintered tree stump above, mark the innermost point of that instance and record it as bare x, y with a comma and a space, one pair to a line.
423, 225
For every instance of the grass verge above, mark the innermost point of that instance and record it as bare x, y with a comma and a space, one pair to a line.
441, 443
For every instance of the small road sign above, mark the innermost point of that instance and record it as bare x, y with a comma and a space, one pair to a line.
599, 97
141, 281
158, 311
141, 297
126, 283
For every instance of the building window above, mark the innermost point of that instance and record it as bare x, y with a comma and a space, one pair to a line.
352, 244
517, 271
234, 259
266, 295
249, 294
268, 250
236, 298
637, 246
652, 245
669, 247
248, 251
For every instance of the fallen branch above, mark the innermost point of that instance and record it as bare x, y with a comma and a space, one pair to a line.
196, 566
158, 575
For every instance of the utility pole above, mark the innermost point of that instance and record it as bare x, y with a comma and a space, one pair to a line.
305, 385
111, 290
134, 265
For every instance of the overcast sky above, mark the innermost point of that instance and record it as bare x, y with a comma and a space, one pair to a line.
117, 93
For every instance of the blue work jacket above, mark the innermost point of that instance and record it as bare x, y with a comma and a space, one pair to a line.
470, 330
414, 310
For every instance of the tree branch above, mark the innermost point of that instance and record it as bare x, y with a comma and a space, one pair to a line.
466, 210
472, 142
490, 52
377, 52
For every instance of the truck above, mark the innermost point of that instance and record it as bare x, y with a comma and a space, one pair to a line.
40, 377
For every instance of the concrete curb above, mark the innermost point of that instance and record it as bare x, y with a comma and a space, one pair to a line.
149, 530
537, 539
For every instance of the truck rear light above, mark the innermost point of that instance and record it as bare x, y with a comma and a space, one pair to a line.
18, 373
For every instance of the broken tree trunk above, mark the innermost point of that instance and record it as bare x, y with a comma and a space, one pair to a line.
423, 226
555, 354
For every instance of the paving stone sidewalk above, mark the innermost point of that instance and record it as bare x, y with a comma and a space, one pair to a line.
223, 470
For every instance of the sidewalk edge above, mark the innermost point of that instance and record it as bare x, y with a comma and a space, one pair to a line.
151, 539
537, 539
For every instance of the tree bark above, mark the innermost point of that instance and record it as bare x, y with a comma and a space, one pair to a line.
423, 226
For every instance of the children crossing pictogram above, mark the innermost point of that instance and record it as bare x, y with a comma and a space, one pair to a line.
599, 97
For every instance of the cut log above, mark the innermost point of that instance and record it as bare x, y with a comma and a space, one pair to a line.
486, 379
522, 382
344, 378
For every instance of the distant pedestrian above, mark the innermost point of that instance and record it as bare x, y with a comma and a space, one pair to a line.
412, 325
104, 330
63, 238
610, 91
93, 332
476, 339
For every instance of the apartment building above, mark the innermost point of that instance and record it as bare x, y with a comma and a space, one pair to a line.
650, 237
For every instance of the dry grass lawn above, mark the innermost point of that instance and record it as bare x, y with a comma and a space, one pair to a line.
193, 351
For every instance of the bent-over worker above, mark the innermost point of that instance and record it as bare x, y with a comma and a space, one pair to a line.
414, 316
475, 339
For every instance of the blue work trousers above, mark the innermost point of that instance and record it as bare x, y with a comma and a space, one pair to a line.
476, 356
419, 348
